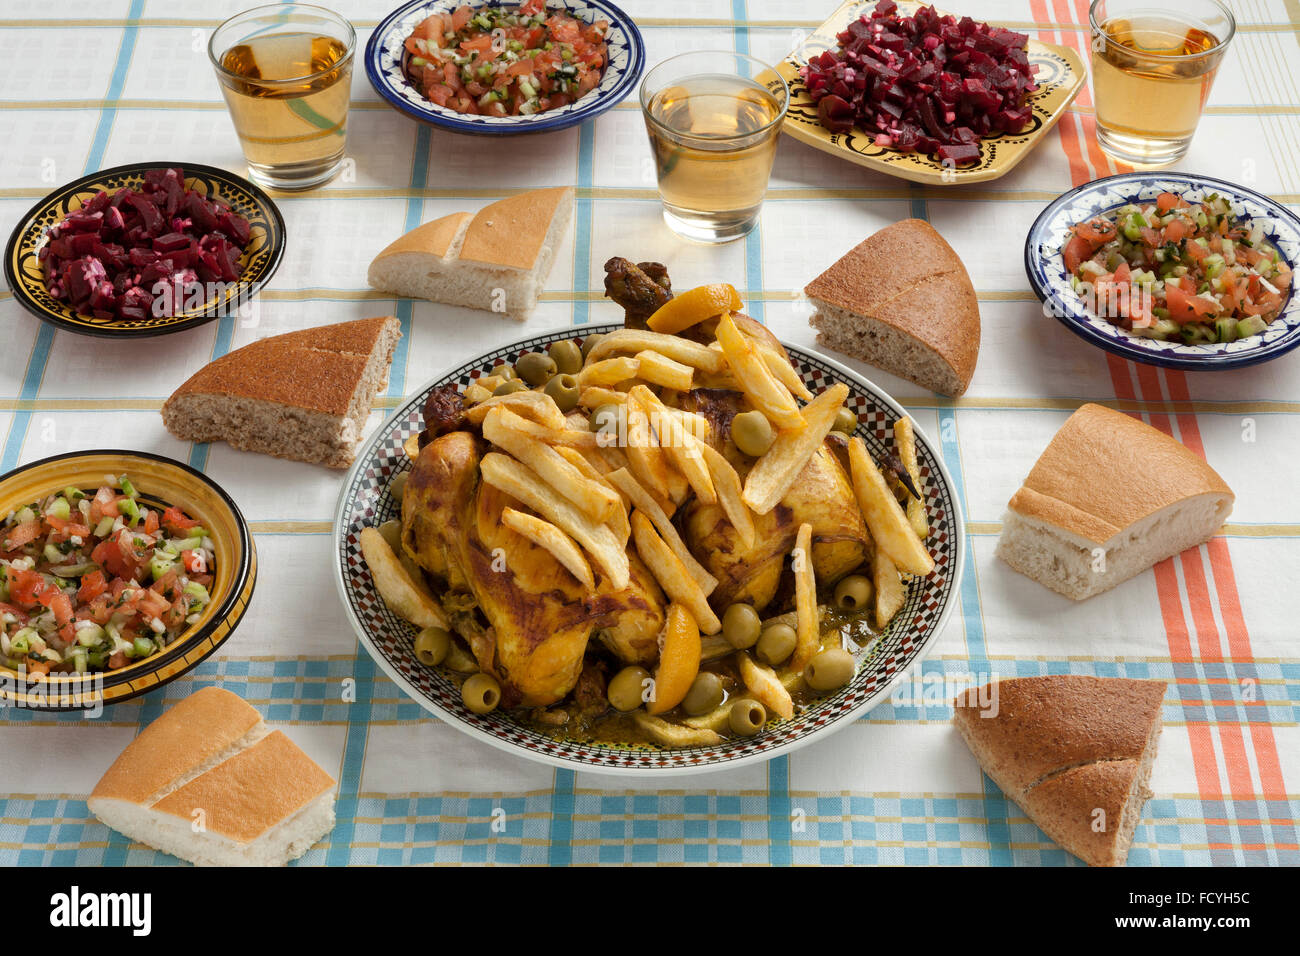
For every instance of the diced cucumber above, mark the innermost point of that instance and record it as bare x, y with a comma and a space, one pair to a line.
159, 565
1225, 330
1251, 325
143, 647
1134, 223
128, 489
104, 528
90, 635
25, 515
1165, 327
59, 508
53, 554
198, 592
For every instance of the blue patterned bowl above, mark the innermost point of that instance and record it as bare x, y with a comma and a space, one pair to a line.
386, 58
1045, 265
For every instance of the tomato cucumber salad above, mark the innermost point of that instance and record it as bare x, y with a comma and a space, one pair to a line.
506, 61
1177, 270
92, 582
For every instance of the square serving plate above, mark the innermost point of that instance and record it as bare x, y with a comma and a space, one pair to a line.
1060, 76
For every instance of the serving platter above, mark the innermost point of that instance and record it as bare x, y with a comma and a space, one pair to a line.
26, 276
365, 502
1045, 266
386, 57
1060, 76
161, 482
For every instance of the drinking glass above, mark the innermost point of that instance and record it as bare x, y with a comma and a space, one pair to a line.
1153, 63
713, 131
286, 73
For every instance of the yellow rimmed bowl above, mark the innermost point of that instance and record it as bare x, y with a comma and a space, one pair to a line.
160, 482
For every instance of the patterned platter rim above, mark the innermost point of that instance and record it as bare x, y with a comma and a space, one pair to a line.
1061, 75
26, 279
184, 654
1045, 267
385, 57
364, 501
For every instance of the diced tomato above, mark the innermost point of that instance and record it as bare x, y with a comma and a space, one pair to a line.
10, 609
150, 521
153, 604
480, 44
61, 605
116, 659
25, 587
176, 522
1176, 231
1097, 231
92, 586
22, 534
1168, 201
1185, 306
1197, 251
1077, 251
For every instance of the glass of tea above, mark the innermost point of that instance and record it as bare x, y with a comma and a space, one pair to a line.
1153, 63
286, 73
713, 130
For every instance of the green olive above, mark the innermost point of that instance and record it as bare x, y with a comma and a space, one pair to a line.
432, 645
705, 694
776, 643
606, 418
510, 386
589, 343
830, 669
752, 433
747, 716
853, 593
845, 421
564, 389
391, 532
481, 693
741, 626
625, 690
504, 371
567, 356
535, 368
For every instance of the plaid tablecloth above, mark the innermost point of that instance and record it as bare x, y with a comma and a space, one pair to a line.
90, 85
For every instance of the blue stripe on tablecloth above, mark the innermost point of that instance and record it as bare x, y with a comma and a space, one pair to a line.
560, 849
45, 334
354, 759
405, 309
999, 833
583, 215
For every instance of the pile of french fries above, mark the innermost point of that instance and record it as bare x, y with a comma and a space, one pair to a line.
591, 494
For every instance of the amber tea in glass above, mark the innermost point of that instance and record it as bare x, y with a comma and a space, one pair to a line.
285, 71
713, 132
1153, 64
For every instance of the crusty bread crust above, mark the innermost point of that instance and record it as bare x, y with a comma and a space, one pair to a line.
251, 792
317, 370
1104, 470
1065, 746
909, 278
433, 238
512, 231
185, 737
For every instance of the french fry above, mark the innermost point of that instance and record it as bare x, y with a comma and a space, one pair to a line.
594, 396
644, 502
682, 447
727, 484
808, 641
490, 382
412, 446
675, 347
609, 372
659, 369
397, 589
889, 588
646, 458
519, 481
538, 406
593, 498
548, 536
765, 685
774, 473
617, 521
757, 382
782, 370
475, 393
576, 459
905, 436
672, 574
570, 437
883, 514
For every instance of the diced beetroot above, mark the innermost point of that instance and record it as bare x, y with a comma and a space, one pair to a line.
923, 81
105, 258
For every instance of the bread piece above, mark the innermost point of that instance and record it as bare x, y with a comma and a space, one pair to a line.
304, 395
1074, 752
1109, 497
210, 783
901, 300
496, 260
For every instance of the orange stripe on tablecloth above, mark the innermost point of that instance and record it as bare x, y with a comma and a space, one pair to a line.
1198, 598
1234, 753
1066, 129
1101, 164
1266, 759
1204, 763
1088, 121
